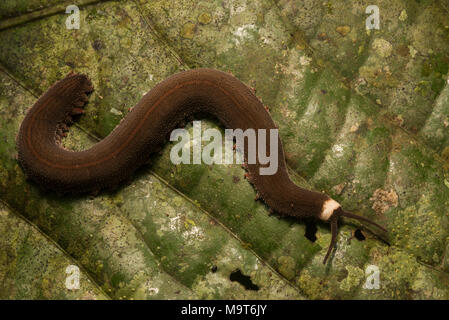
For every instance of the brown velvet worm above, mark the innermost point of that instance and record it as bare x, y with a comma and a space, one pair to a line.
146, 128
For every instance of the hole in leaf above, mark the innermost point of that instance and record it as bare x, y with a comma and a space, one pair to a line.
214, 269
359, 235
245, 281
311, 230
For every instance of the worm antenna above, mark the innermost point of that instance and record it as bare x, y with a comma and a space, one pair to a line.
334, 238
360, 218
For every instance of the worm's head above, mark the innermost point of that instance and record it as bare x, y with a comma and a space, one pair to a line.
330, 209
330, 212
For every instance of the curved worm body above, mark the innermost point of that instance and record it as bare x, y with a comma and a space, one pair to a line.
146, 128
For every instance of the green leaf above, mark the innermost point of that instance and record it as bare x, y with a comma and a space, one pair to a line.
363, 116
